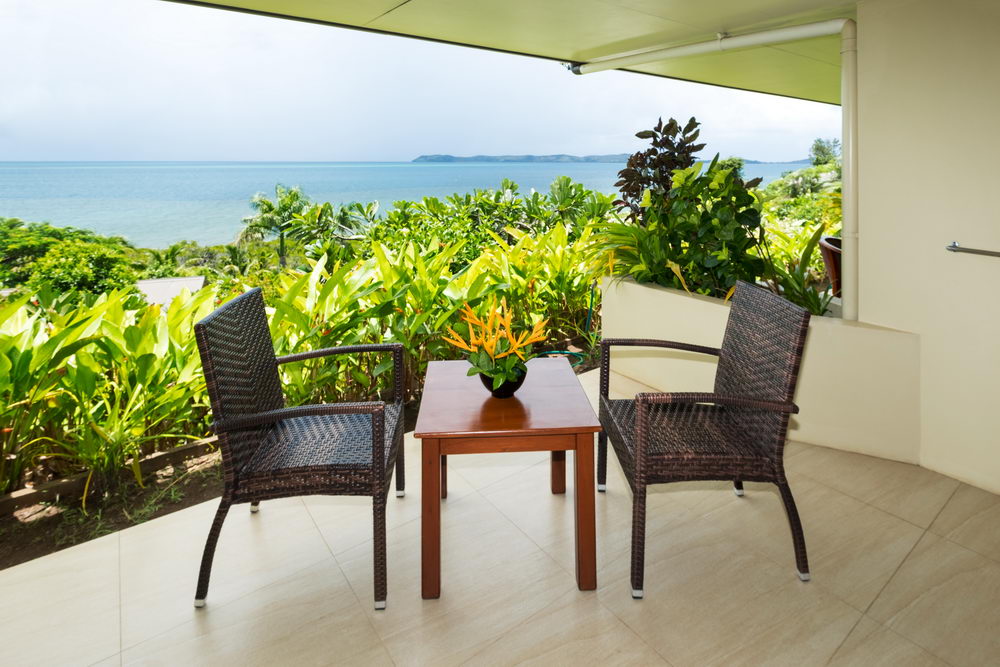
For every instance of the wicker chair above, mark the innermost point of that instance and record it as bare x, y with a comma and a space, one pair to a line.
270, 451
736, 433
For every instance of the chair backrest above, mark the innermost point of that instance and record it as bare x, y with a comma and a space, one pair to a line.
760, 356
241, 372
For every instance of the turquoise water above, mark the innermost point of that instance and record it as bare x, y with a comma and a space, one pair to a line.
154, 204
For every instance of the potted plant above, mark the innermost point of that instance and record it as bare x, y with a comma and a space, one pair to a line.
496, 350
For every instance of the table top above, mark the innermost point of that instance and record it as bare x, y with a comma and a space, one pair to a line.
551, 401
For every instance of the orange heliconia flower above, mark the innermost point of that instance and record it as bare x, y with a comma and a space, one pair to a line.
489, 331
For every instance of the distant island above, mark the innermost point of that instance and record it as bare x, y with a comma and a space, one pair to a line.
562, 157
620, 157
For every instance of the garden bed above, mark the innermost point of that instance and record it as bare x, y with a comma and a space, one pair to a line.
49, 526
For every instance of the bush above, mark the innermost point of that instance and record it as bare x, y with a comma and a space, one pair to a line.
24, 243
702, 236
84, 267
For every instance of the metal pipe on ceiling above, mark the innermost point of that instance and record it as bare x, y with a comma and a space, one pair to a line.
724, 42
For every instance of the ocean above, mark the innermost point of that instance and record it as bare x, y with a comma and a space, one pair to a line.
154, 204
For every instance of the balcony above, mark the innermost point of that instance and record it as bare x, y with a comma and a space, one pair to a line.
904, 562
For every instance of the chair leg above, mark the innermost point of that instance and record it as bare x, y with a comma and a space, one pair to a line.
255, 507
798, 538
206, 558
738, 487
638, 540
602, 462
400, 474
378, 505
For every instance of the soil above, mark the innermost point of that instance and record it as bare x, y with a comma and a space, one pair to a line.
32, 532
36, 531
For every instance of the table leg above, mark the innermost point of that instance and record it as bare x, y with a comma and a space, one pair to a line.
444, 476
583, 491
430, 519
558, 471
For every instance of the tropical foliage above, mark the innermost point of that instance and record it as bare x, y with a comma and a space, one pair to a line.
702, 235
802, 207
93, 386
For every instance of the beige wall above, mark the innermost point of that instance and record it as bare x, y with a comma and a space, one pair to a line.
929, 169
859, 386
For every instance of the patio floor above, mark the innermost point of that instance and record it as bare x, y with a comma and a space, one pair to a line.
905, 566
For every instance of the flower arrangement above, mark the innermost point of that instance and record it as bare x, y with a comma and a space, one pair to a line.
494, 349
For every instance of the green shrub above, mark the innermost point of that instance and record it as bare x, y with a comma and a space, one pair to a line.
84, 267
24, 243
702, 236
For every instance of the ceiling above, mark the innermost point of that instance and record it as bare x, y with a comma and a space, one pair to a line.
584, 30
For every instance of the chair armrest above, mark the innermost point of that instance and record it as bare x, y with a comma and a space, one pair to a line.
246, 422
395, 348
651, 398
607, 343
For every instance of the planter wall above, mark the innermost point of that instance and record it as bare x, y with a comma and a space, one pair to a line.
859, 387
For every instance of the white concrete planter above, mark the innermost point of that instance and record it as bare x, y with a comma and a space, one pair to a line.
859, 387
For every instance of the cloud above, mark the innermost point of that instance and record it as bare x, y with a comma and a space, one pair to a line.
126, 80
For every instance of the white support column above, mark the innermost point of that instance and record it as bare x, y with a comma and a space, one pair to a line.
849, 157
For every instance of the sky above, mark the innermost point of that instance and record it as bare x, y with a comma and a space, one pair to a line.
154, 80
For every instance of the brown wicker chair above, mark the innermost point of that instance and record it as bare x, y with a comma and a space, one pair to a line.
270, 451
736, 433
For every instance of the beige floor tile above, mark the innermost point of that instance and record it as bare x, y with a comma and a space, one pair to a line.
972, 519
548, 519
62, 609
576, 629
625, 387
111, 661
346, 521
482, 470
853, 548
311, 618
945, 599
908, 491
871, 644
796, 624
492, 578
793, 448
591, 383
161, 559
699, 591
699, 497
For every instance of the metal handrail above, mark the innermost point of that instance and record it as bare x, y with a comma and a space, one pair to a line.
954, 247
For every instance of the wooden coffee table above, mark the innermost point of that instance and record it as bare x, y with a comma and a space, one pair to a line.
550, 412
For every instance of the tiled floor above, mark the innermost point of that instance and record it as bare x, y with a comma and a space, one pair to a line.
905, 565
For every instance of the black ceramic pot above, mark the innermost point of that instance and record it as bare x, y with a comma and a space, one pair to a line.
507, 389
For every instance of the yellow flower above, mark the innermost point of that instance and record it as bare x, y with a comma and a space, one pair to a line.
470, 316
458, 341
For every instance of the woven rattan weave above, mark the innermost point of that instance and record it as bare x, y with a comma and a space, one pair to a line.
735, 433
270, 451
